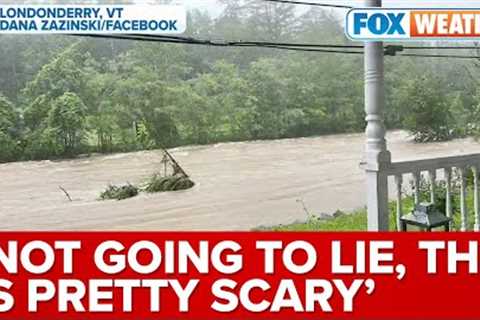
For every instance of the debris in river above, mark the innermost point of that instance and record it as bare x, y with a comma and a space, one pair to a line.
159, 183
173, 178
119, 192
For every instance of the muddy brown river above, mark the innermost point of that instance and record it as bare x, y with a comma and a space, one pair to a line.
239, 185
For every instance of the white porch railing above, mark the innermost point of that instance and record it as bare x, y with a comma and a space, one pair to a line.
446, 167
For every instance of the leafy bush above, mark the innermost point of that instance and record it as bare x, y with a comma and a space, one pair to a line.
68, 117
156, 183
119, 192
427, 113
9, 135
9, 148
433, 135
159, 183
440, 193
42, 144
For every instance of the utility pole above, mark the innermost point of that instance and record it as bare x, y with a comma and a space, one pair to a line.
377, 156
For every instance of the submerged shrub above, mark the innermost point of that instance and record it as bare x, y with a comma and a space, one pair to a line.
159, 183
119, 192
156, 183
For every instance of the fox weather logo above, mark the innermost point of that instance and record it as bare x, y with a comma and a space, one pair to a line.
373, 24
378, 23
382, 24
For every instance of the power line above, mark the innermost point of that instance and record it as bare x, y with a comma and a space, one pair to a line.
394, 50
390, 50
415, 55
314, 50
323, 48
249, 42
440, 48
304, 3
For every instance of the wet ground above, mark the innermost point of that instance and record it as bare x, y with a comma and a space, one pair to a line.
239, 185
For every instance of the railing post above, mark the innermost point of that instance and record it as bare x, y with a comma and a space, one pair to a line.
377, 156
398, 183
448, 192
463, 198
417, 176
476, 198
432, 175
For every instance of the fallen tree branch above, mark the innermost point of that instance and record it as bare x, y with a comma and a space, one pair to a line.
66, 193
176, 166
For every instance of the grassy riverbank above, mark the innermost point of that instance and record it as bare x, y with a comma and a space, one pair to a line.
357, 221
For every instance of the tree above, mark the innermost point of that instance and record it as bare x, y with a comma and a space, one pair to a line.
64, 74
222, 97
327, 89
22, 57
426, 105
104, 125
268, 88
320, 23
264, 21
68, 118
36, 112
137, 88
8, 117
9, 131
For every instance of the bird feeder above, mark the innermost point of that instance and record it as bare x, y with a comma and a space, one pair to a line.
427, 217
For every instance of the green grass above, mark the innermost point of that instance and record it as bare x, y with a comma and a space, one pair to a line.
357, 221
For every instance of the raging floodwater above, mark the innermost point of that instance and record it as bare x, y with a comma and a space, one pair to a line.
239, 185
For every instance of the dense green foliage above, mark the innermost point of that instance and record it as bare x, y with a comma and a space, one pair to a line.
156, 183
9, 130
119, 192
63, 96
159, 183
